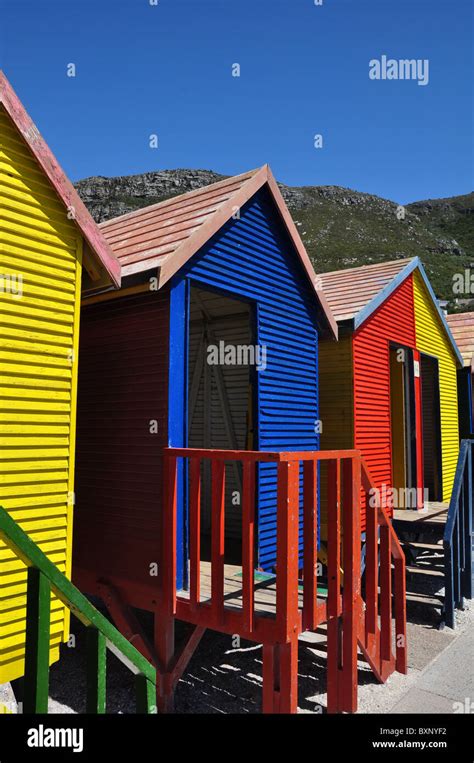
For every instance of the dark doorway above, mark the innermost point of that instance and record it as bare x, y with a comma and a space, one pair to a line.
403, 423
221, 401
431, 415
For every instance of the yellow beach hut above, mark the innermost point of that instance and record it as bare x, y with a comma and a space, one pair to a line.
51, 252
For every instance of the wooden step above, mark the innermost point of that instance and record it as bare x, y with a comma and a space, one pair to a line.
424, 571
424, 599
423, 546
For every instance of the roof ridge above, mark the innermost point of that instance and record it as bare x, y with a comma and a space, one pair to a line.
173, 199
402, 261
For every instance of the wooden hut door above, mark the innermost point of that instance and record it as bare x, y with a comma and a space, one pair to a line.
220, 399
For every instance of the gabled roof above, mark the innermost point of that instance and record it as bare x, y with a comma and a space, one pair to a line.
165, 236
99, 248
462, 329
355, 293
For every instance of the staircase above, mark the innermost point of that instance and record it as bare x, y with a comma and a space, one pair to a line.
439, 546
43, 579
422, 543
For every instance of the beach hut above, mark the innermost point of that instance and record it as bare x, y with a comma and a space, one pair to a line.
462, 329
211, 343
388, 387
198, 466
51, 252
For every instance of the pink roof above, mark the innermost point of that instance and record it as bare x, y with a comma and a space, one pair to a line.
462, 329
349, 291
165, 236
65, 190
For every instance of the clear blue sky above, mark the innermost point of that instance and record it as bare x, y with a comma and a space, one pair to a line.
166, 70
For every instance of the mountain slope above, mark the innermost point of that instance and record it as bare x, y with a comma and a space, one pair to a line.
340, 227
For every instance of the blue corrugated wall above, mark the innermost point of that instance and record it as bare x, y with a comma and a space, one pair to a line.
253, 258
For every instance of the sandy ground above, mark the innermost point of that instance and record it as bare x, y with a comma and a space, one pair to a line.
224, 679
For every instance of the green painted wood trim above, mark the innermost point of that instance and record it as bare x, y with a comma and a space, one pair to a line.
145, 693
19, 542
96, 671
38, 608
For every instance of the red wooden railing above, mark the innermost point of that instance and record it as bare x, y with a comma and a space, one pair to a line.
352, 619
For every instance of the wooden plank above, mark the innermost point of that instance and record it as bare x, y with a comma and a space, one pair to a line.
287, 547
310, 544
195, 531
352, 581
248, 540
217, 537
96, 671
385, 594
37, 643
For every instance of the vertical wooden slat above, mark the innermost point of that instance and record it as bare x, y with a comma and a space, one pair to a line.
38, 605
351, 591
248, 540
217, 538
400, 616
334, 688
287, 548
195, 533
169, 532
145, 695
385, 594
371, 579
310, 545
96, 671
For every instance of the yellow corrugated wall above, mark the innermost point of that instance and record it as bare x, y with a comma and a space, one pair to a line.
38, 380
431, 339
336, 404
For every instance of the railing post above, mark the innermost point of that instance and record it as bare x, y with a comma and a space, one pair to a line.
372, 580
334, 626
310, 545
38, 605
400, 616
287, 549
145, 695
248, 529
195, 534
352, 572
96, 671
218, 539
385, 598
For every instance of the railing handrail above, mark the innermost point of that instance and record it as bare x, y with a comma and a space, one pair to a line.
22, 545
453, 509
261, 455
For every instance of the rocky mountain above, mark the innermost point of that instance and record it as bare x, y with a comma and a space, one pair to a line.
340, 227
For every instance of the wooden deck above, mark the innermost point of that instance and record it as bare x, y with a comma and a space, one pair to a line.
436, 511
265, 590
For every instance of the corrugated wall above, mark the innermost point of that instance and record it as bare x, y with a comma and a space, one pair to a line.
336, 402
254, 259
38, 366
394, 321
123, 391
431, 339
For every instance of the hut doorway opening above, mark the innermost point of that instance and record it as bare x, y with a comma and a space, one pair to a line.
403, 426
431, 416
223, 360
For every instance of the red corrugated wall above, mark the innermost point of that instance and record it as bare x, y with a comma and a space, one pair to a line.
394, 321
123, 386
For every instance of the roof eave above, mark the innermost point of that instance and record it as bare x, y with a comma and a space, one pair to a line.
59, 181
